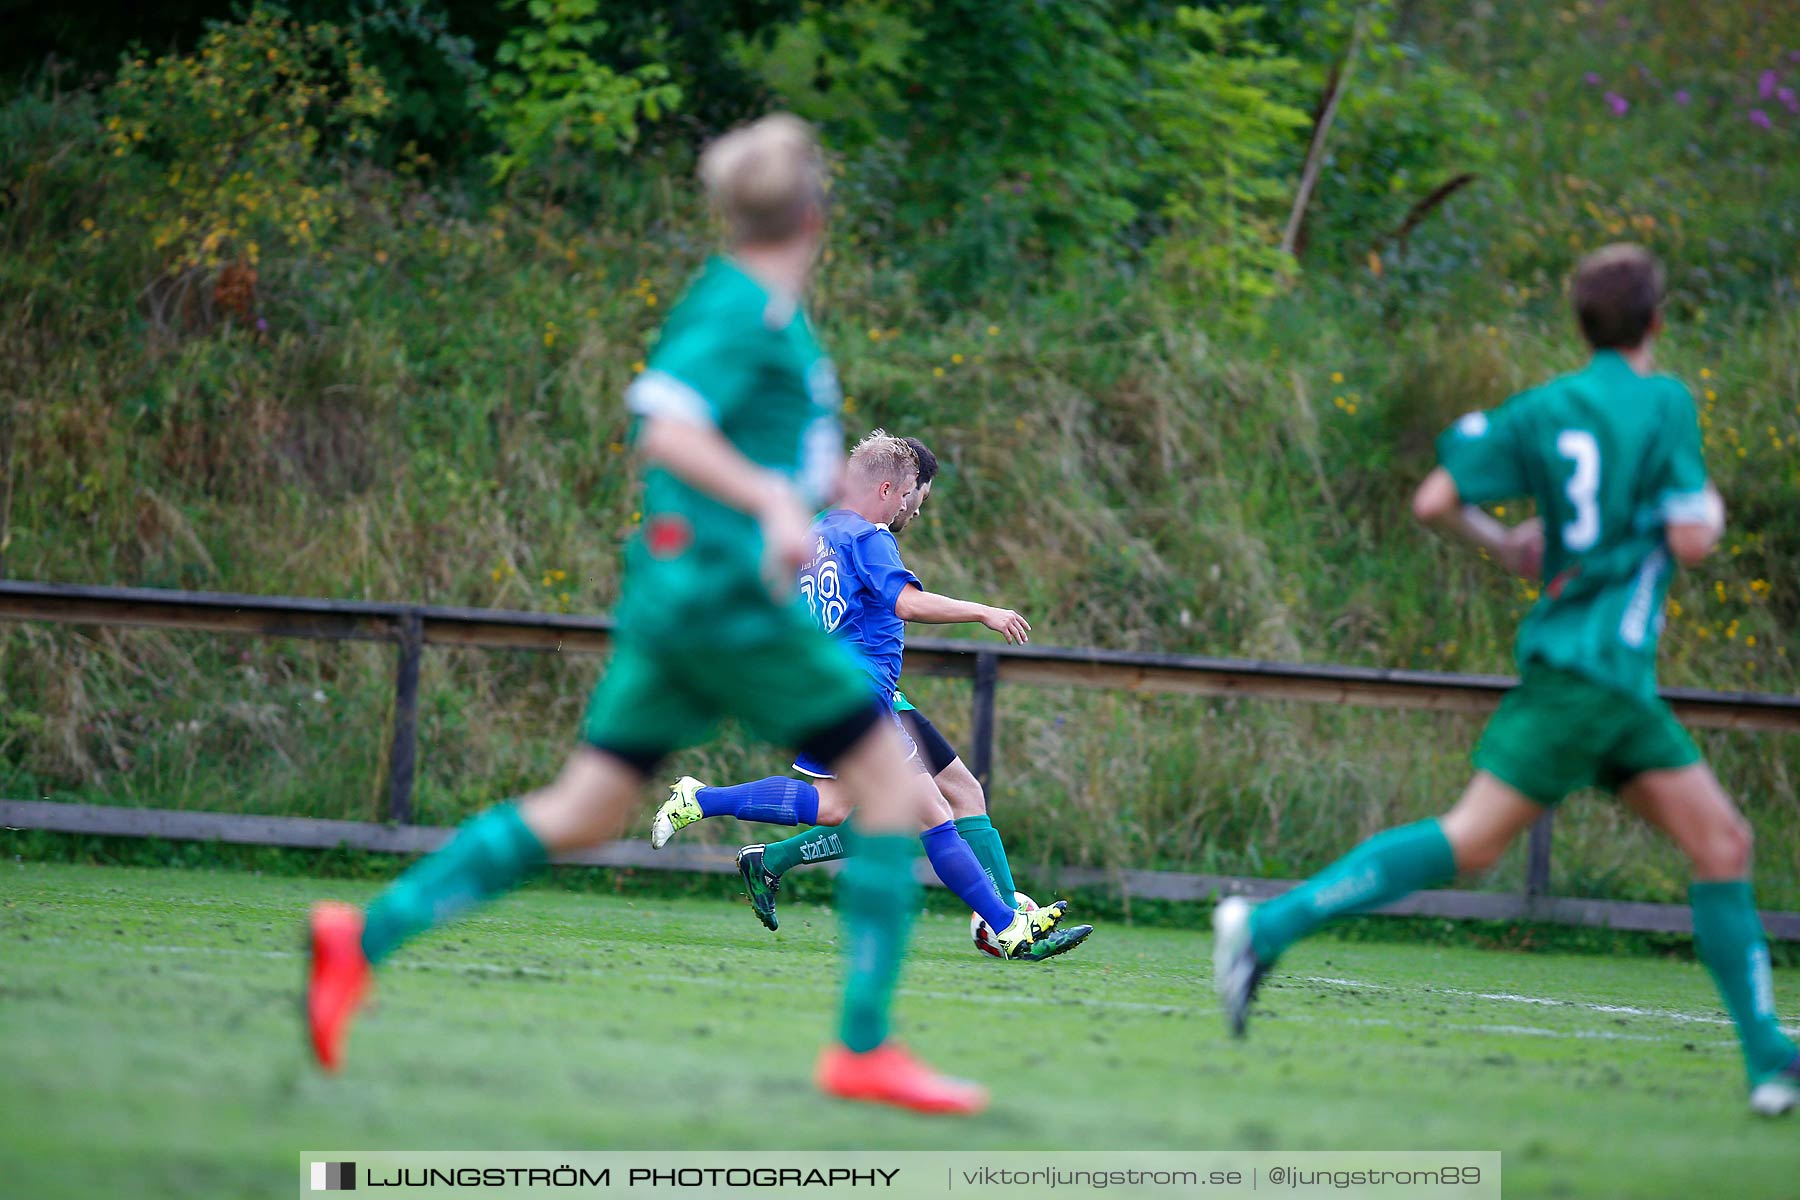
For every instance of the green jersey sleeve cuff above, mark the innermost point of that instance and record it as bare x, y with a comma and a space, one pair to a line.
660, 394
1690, 508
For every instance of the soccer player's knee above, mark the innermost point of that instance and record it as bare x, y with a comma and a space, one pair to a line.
932, 808
1474, 855
1726, 850
966, 797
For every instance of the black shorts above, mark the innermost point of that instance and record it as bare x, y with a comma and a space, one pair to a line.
934, 748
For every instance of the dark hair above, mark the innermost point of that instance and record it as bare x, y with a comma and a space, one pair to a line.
927, 460
1616, 292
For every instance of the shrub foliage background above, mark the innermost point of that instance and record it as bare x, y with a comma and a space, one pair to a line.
274, 322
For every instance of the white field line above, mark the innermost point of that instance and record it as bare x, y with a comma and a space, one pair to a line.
998, 998
1543, 1001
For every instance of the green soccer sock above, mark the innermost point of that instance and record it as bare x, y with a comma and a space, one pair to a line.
1381, 870
490, 854
1728, 937
990, 852
876, 898
821, 843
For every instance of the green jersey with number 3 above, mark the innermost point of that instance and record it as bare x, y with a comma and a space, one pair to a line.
1610, 457
737, 358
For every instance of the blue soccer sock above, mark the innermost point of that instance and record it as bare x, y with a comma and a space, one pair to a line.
961, 872
776, 800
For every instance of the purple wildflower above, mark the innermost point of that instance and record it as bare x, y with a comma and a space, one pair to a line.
1765, 86
1682, 97
1760, 119
262, 324
1788, 100
1592, 78
1619, 104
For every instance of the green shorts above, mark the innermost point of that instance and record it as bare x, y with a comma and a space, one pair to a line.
1558, 732
789, 687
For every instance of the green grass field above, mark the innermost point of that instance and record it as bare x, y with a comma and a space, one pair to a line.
149, 1045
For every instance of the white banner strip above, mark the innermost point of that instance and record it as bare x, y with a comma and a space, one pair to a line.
906, 1174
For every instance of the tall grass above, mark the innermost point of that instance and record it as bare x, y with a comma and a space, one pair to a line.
424, 406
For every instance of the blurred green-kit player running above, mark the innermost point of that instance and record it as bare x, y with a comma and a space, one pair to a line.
1611, 454
736, 421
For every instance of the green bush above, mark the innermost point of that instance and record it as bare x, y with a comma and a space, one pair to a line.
551, 96
432, 413
1406, 128
1224, 117
226, 150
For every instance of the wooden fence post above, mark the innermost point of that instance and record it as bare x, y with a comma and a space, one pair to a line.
987, 673
403, 758
1537, 868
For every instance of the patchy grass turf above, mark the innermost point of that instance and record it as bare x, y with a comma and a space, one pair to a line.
149, 1044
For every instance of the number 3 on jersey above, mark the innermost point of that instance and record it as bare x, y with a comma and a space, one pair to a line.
1583, 489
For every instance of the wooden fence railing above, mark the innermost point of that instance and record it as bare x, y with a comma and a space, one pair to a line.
411, 628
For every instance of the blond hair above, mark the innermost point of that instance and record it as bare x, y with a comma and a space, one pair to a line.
764, 177
883, 457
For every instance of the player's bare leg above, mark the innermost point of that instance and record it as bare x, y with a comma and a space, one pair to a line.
1689, 805
1470, 837
589, 803
961, 790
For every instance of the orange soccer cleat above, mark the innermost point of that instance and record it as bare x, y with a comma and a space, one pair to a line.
339, 980
888, 1074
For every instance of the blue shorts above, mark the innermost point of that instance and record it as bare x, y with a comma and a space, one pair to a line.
812, 768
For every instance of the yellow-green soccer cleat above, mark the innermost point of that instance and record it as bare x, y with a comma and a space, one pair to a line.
1027, 927
677, 812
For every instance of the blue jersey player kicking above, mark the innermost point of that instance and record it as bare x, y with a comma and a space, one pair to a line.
861, 591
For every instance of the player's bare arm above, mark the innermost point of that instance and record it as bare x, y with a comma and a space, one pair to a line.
1691, 541
1518, 548
929, 608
